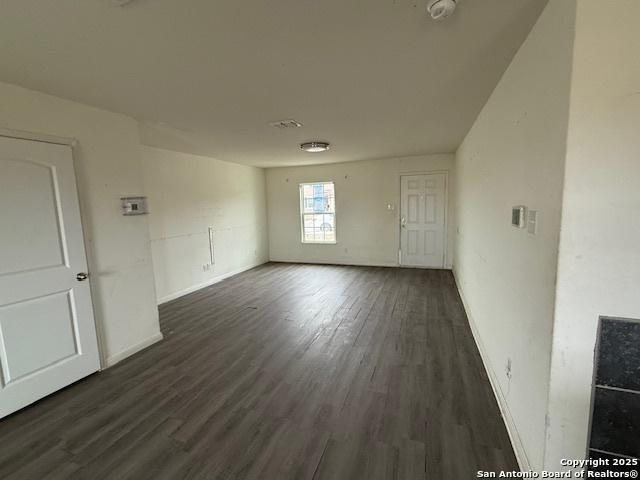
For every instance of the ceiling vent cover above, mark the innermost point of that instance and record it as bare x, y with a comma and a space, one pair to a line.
121, 3
286, 124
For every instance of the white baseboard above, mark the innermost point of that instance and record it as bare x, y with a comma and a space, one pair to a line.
329, 262
356, 264
113, 359
212, 281
514, 436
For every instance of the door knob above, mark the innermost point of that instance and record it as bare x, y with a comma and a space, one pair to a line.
82, 276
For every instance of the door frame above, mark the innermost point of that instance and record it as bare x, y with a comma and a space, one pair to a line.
73, 143
446, 217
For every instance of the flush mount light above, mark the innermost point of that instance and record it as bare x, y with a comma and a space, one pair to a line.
315, 147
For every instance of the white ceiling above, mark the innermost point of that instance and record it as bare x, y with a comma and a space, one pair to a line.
376, 78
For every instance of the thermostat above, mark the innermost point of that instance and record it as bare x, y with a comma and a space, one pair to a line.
518, 214
134, 205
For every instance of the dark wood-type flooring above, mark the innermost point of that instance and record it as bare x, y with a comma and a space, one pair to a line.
282, 372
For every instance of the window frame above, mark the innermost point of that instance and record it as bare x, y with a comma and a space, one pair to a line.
302, 214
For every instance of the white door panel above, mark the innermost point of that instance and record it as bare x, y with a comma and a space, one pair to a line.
423, 215
47, 332
28, 218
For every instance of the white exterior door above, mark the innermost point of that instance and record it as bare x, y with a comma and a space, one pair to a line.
47, 332
422, 220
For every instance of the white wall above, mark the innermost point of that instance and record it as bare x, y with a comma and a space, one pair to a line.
107, 167
187, 194
513, 155
599, 264
367, 232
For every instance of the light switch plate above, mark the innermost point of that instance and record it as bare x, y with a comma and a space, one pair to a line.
532, 222
518, 216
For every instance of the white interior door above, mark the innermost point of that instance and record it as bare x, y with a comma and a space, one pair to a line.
422, 220
47, 332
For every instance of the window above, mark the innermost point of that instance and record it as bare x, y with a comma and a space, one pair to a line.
318, 212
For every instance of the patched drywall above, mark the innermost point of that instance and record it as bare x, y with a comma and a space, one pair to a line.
107, 167
514, 155
188, 195
599, 263
367, 231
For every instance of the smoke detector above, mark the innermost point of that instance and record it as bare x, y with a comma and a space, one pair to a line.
441, 9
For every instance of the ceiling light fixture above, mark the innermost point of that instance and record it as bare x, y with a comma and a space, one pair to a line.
315, 147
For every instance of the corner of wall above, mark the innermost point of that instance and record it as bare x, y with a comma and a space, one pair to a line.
133, 349
505, 278
510, 424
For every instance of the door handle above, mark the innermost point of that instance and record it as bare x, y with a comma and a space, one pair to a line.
81, 277
403, 222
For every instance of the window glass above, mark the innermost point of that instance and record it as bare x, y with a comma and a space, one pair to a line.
318, 211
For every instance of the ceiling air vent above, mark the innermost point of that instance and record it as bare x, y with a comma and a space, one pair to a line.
286, 124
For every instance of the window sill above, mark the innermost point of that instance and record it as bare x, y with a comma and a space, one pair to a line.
319, 243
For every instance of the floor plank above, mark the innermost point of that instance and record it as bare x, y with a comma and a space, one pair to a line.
286, 371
